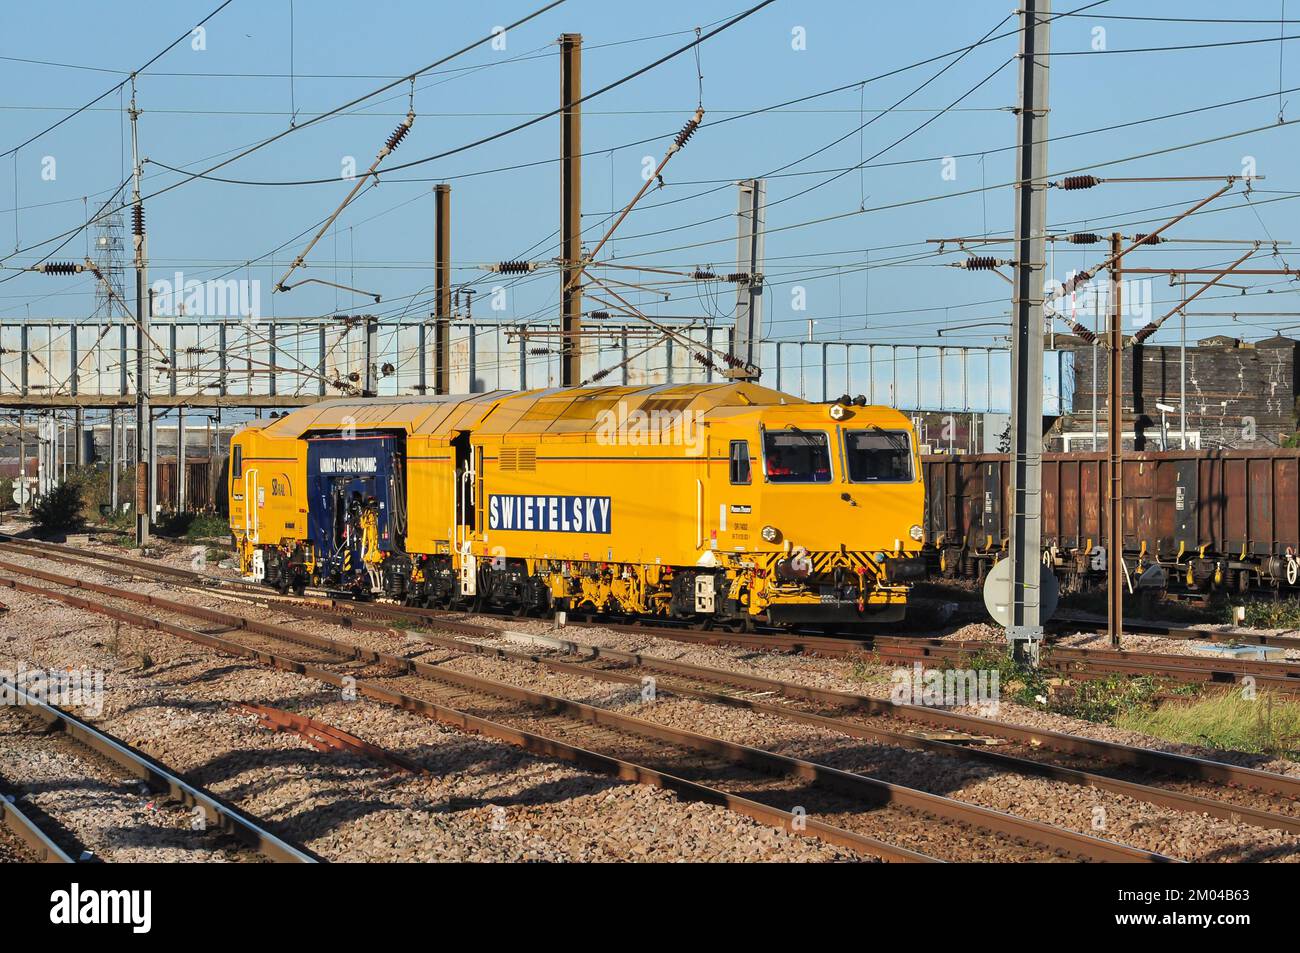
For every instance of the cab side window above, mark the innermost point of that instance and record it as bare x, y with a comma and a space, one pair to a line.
740, 462
236, 462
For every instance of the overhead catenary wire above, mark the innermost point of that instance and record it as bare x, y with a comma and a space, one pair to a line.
646, 207
108, 92
945, 196
213, 74
961, 53
261, 144
190, 176
824, 92
518, 127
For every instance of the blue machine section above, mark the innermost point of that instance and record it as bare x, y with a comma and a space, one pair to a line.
345, 477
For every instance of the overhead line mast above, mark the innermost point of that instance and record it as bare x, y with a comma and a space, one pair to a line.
143, 315
748, 331
1025, 629
442, 289
571, 209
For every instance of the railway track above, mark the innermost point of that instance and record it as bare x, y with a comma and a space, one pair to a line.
1096, 663
27, 839
1075, 662
889, 821
1175, 782
1078, 662
1169, 630
1183, 784
1187, 784
57, 728
1192, 785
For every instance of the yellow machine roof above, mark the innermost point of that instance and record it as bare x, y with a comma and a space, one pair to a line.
547, 410
412, 414
579, 409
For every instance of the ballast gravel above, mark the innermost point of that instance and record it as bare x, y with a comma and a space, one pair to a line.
1111, 816
480, 800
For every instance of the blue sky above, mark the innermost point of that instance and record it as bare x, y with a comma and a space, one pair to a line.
195, 109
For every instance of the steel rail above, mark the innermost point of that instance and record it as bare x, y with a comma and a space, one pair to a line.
1282, 676
861, 788
340, 612
1177, 766
1091, 663
1170, 799
226, 818
531, 742
47, 550
1081, 662
1173, 800
1170, 630
30, 833
346, 613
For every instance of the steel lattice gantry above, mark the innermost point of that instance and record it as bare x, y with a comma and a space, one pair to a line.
288, 362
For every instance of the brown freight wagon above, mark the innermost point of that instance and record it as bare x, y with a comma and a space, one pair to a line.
1211, 518
198, 484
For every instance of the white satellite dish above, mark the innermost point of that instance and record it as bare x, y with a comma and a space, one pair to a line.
997, 593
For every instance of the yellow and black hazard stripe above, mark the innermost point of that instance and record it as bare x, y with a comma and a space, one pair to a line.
828, 562
824, 563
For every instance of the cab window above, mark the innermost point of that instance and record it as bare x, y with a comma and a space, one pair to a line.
740, 462
236, 462
878, 456
796, 456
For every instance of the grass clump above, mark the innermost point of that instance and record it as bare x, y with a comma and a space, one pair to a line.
207, 526
864, 669
1270, 614
1019, 683
194, 526
122, 521
1107, 700
1102, 700
1266, 724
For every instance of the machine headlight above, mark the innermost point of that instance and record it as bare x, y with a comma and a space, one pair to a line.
838, 412
771, 534
916, 533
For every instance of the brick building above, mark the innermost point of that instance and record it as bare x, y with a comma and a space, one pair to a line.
1239, 395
